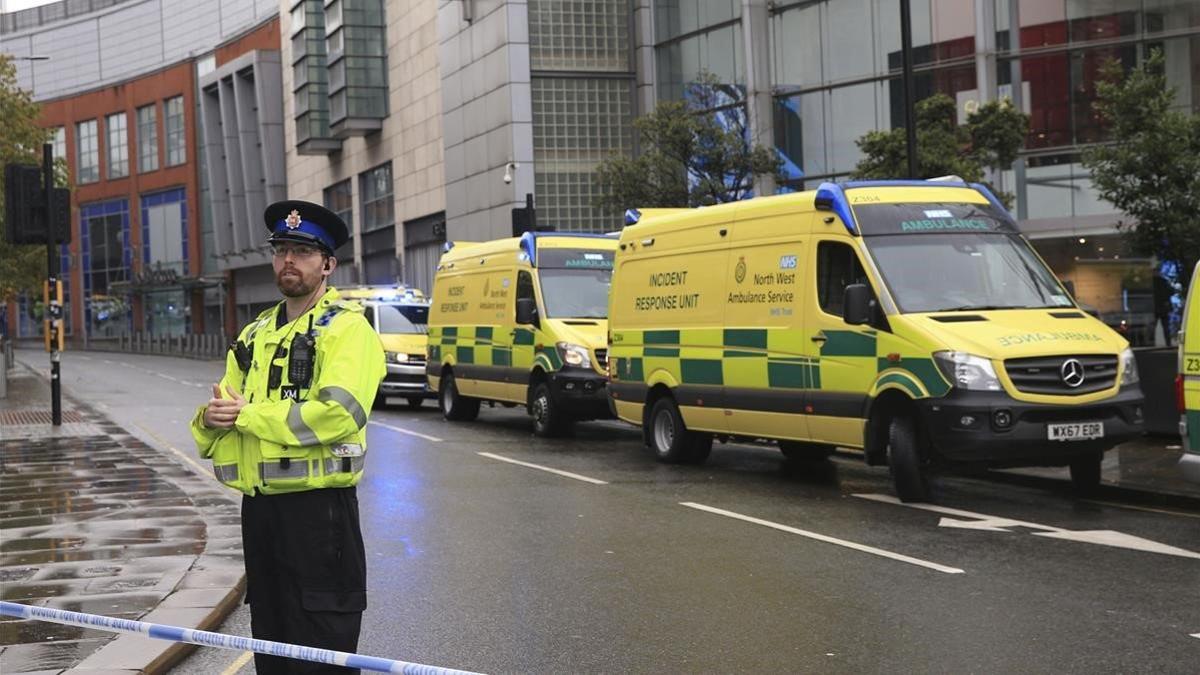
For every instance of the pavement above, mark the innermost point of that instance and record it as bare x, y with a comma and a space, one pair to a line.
93, 519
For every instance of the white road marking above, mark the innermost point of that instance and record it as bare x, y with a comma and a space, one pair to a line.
559, 472
827, 539
1196, 635
981, 521
435, 439
167, 377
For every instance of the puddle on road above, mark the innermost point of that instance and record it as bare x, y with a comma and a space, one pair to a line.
49, 656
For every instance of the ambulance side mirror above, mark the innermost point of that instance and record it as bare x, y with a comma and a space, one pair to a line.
856, 305
527, 311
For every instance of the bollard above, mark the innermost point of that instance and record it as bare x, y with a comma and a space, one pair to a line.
207, 639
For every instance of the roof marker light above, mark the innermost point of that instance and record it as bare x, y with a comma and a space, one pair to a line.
831, 197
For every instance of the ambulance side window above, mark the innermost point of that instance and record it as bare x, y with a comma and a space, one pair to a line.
369, 312
837, 268
524, 285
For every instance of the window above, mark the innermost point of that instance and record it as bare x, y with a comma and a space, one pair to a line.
375, 186
118, 146
176, 139
339, 200
837, 268
60, 143
147, 135
87, 160
524, 286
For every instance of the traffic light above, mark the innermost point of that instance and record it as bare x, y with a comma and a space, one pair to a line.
25, 206
52, 323
23, 201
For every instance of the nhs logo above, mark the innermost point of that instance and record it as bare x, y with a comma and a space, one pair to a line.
787, 262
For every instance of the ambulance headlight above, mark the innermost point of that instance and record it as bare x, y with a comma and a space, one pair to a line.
574, 355
1129, 373
398, 357
967, 371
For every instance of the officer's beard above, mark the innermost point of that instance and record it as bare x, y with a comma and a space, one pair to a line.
294, 284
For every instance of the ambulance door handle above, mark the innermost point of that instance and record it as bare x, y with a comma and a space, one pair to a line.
819, 337
648, 242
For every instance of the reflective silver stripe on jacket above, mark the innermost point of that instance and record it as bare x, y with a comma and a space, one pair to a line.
347, 401
334, 464
297, 468
226, 473
296, 424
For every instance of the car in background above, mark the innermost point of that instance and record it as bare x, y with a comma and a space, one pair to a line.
400, 314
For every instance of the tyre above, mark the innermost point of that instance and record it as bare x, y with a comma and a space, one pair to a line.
1085, 473
799, 451
455, 407
669, 438
415, 402
548, 418
906, 462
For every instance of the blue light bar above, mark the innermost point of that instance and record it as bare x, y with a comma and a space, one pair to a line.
529, 247
632, 216
447, 246
831, 197
982, 189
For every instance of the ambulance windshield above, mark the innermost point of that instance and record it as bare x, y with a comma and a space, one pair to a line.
964, 271
402, 319
576, 293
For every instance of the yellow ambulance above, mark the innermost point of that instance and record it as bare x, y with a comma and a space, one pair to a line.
1189, 381
523, 321
908, 319
400, 314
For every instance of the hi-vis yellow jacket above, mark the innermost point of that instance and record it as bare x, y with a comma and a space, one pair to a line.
287, 439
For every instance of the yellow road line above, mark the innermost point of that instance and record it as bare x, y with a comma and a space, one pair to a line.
199, 467
237, 665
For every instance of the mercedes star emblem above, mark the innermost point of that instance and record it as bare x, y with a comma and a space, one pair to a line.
1072, 373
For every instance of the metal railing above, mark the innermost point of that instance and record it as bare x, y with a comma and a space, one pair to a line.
191, 345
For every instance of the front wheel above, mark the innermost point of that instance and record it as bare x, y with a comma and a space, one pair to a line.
1085, 473
455, 407
905, 461
548, 418
670, 439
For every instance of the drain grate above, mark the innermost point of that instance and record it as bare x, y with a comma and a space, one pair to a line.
11, 417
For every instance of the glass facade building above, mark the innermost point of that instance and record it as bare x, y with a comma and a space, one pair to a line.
835, 74
582, 81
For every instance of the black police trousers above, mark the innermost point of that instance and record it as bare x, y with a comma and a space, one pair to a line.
306, 574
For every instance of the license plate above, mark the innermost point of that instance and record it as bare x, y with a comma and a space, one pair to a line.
1075, 431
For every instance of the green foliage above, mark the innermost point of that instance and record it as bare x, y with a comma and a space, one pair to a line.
682, 148
990, 139
1151, 169
22, 268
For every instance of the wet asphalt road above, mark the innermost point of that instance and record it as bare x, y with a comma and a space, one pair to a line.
746, 564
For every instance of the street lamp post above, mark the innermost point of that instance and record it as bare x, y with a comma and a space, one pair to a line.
910, 115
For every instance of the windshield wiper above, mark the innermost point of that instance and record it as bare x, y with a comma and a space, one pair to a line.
981, 308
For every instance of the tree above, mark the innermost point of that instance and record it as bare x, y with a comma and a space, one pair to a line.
695, 152
989, 140
22, 268
1150, 170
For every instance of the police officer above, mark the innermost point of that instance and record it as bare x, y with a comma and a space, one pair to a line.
287, 427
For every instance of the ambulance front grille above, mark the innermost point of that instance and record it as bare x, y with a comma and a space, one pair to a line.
1044, 374
602, 359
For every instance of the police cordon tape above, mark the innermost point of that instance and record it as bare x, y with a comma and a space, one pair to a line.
207, 639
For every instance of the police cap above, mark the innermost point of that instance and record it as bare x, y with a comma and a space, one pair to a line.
306, 223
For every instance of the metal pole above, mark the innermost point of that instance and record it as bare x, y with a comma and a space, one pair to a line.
531, 212
1018, 101
52, 266
910, 115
